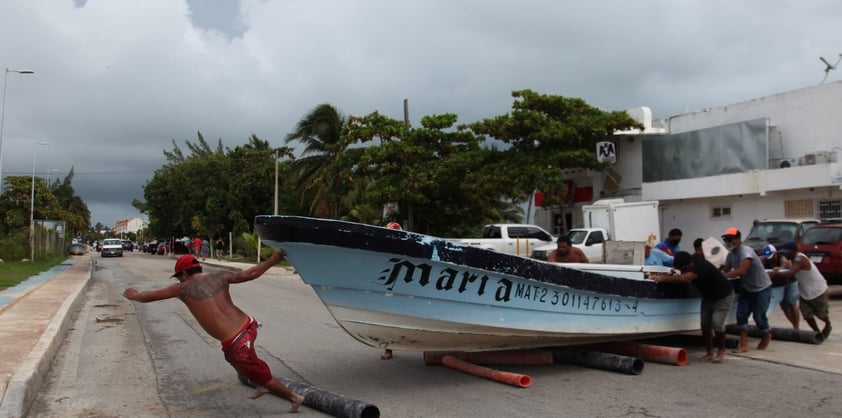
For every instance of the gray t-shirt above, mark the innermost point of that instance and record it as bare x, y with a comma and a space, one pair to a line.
755, 278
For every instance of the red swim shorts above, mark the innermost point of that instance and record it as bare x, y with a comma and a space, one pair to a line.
244, 359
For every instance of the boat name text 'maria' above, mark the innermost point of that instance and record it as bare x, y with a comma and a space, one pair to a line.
448, 278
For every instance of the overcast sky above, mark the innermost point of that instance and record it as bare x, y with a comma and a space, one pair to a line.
117, 80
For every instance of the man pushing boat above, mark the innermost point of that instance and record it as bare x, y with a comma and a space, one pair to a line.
208, 298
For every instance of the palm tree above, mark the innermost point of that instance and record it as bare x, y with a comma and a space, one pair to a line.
321, 173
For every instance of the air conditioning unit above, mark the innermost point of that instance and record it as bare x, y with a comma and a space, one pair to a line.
788, 162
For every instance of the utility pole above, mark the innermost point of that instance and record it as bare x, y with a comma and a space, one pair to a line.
408, 224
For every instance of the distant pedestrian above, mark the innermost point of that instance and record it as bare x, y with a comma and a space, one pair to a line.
670, 244
204, 250
812, 287
197, 246
219, 246
755, 288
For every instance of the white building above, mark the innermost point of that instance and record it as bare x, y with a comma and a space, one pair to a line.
134, 225
772, 157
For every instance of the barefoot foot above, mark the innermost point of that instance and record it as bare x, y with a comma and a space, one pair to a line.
296, 402
720, 356
740, 349
826, 331
261, 390
764, 342
706, 357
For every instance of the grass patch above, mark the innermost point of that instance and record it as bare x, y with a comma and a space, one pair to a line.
14, 272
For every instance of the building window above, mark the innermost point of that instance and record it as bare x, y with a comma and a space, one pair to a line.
830, 211
802, 208
720, 213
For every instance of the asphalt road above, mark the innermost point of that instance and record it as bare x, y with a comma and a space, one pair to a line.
129, 359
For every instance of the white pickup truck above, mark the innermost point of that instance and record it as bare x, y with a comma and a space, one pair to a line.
516, 239
614, 220
112, 247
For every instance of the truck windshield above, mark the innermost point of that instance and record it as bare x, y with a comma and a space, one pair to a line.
577, 237
774, 232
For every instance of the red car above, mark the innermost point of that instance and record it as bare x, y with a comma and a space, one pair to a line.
823, 244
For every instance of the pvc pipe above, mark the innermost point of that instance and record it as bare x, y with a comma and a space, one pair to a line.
514, 379
330, 403
509, 357
605, 361
647, 352
782, 334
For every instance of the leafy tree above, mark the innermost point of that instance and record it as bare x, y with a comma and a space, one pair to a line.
547, 134
322, 175
15, 204
75, 211
211, 191
432, 171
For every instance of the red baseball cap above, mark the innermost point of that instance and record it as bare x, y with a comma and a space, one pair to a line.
185, 262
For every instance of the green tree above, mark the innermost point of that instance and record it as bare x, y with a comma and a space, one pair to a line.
322, 176
547, 134
210, 192
434, 172
75, 211
15, 204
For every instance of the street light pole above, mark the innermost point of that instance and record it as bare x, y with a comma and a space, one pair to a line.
276, 183
3, 116
32, 205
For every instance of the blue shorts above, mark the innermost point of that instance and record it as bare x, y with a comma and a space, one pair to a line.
790, 298
755, 304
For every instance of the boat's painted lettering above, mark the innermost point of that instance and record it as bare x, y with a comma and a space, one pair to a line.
406, 269
445, 281
464, 281
532, 292
590, 303
504, 292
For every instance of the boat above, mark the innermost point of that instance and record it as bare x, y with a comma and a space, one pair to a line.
400, 290
76, 248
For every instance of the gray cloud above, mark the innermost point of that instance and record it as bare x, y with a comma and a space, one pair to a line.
117, 81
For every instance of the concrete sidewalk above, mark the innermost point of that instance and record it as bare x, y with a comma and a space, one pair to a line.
32, 328
36, 322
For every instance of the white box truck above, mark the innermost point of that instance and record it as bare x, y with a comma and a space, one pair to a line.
617, 221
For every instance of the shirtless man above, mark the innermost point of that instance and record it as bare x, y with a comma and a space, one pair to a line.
565, 252
208, 298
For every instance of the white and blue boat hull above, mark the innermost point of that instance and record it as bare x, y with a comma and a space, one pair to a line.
405, 291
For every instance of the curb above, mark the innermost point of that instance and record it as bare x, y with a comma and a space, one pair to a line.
29, 376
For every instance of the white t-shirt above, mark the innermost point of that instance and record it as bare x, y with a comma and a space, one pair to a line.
811, 283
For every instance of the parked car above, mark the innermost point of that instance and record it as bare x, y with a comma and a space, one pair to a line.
166, 246
777, 231
151, 247
128, 245
823, 244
